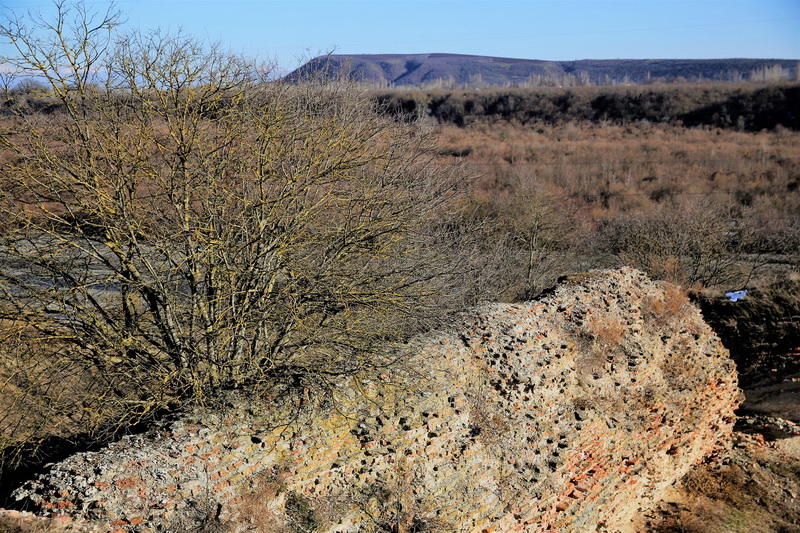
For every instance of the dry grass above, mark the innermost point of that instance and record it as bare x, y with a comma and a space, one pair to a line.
670, 306
598, 343
693, 206
675, 301
489, 427
606, 330
547, 201
30, 524
256, 507
754, 490
606, 170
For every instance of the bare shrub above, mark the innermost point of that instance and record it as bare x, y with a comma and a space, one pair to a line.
301, 515
256, 506
525, 239
183, 224
666, 308
691, 246
488, 426
29, 525
202, 516
400, 507
675, 366
606, 330
598, 342
42, 398
748, 106
604, 181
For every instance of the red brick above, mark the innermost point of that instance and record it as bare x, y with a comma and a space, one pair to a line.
127, 483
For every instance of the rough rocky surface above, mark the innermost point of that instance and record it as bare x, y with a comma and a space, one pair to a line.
573, 412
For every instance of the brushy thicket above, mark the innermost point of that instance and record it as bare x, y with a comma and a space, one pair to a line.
179, 225
748, 107
699, 207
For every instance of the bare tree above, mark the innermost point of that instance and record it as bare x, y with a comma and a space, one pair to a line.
180, 224
694, 245
524, 242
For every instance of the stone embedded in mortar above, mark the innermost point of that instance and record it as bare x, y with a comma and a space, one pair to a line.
567, 413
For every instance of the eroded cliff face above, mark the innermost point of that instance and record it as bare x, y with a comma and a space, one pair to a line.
569, 413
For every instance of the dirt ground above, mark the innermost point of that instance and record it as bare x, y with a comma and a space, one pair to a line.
755, 486
755, 489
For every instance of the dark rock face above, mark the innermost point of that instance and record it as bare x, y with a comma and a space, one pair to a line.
762, 330
569, 413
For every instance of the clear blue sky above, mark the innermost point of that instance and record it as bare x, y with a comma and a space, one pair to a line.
289, 31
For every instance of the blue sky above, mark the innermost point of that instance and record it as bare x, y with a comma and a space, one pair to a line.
289, 31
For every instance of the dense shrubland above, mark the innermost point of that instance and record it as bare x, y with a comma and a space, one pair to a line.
749, 107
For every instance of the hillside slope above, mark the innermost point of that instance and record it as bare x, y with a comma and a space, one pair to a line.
420, 69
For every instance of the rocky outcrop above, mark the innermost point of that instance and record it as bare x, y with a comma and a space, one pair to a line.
572, 412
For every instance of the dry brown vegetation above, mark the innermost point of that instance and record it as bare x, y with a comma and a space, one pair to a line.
755, 490
606, 330
672, 306
698, 207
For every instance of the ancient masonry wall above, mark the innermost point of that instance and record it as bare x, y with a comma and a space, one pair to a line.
568, 413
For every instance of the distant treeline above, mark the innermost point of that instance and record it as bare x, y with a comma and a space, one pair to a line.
744, 107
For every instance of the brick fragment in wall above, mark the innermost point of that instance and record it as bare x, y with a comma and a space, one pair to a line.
572, 412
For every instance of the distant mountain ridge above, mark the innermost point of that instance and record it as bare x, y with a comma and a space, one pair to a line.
423, 69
